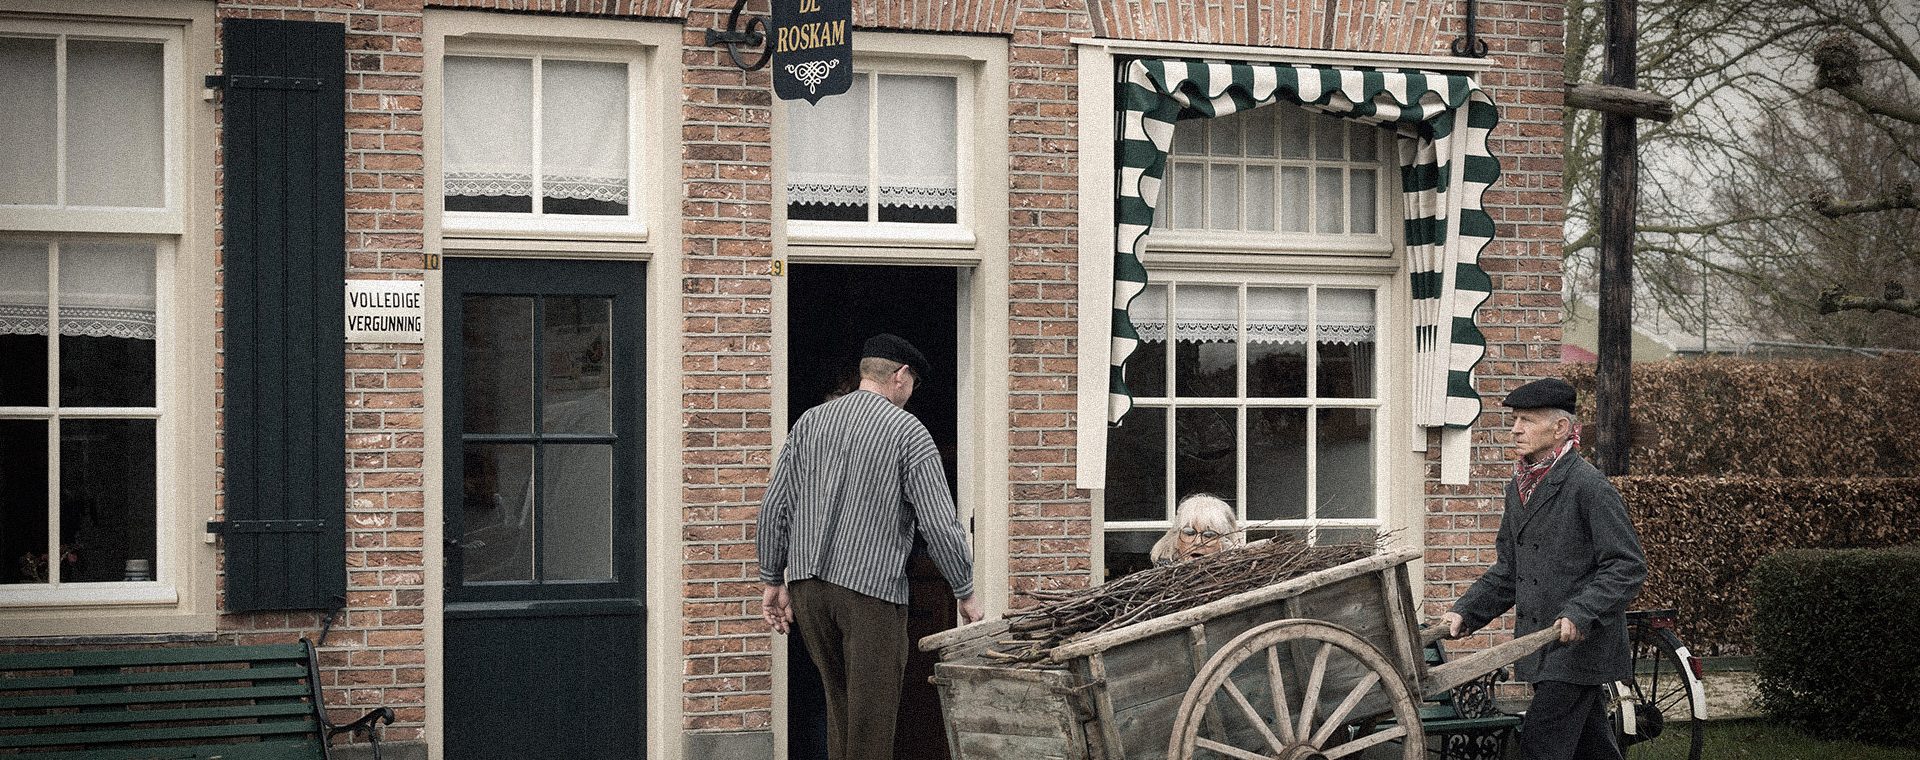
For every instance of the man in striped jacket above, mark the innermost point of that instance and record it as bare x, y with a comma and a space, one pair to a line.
857, 477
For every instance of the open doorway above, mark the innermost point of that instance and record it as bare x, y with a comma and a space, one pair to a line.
831, 310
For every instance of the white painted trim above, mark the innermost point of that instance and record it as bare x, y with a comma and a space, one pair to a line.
1146, 48
1400, 469
1098, 79
657, 157
642, 45
181, 600
974, 63
984, 333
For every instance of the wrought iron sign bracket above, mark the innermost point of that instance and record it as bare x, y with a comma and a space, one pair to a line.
754, 35
1469, 46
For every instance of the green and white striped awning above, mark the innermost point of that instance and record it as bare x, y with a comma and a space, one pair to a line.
1444, 172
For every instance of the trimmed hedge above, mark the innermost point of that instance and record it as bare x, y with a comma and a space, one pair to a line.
1838, 634
1703, 535
1724, 417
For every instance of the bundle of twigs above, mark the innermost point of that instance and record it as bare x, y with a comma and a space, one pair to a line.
1065, 615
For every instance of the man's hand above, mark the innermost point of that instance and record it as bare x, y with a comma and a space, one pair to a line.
1453, 622
776, 608
1569, 632
970, 610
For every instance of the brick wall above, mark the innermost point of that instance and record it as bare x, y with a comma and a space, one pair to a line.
726, 405
1522, 318
376, 654
1050, 526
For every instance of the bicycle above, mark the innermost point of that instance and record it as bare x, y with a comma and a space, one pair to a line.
1662, 712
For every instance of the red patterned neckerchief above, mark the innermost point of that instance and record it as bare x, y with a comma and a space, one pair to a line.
1528, 475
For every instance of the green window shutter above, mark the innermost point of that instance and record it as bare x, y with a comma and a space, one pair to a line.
284, 126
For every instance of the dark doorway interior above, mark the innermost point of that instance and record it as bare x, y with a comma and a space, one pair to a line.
831, 310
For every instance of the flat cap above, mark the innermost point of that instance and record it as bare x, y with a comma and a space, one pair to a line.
1545, 393
896, 348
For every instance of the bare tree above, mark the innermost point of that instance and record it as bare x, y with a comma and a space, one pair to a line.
1788, 171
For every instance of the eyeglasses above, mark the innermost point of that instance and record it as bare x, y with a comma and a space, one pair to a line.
1206, 534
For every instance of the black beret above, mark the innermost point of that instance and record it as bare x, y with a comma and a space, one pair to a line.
1545, 393
896, 348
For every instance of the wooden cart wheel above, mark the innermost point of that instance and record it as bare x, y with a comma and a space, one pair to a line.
1308, 680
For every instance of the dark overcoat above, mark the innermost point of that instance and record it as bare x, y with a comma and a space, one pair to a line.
1569, 552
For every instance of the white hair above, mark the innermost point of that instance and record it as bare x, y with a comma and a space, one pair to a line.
1201, 512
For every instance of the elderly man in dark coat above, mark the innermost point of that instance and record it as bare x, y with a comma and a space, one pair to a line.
1567, 558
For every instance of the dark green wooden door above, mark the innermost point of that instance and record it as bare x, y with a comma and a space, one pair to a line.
545, 622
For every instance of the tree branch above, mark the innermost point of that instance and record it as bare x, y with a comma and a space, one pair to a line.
1838, 62
1901, 197
1833, 300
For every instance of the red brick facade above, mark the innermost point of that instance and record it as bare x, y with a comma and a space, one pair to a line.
726, 337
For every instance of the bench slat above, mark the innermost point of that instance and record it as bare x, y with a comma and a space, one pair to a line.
125, 735
256, 675
268, 750
153, 697
141, 657
153, 716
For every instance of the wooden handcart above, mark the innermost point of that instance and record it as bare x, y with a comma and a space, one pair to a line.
1323, 665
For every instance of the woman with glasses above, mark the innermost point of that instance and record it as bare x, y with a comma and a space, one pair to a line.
1202, 525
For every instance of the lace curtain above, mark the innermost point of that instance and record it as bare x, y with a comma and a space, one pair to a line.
828, 163
106, 290
1274, 315
491, 118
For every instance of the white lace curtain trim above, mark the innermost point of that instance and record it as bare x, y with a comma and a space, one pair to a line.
1258, 332
520, 184
821, 194
79, 321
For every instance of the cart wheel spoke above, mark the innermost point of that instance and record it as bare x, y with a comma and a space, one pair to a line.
1340, 713
1380, 737
1253, 716
1313, 689
1283, 715
1228, 750
1362, 679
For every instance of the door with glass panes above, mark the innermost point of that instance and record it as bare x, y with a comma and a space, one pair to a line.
544, 506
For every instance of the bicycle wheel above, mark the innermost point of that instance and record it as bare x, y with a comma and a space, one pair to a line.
1661, 713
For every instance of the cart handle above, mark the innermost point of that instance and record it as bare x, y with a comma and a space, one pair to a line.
1445, 676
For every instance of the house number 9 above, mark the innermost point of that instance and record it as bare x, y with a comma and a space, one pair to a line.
778, 269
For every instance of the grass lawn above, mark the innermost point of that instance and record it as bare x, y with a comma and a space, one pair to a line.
1760, 740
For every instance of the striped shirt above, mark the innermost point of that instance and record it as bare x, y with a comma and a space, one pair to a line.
857, 477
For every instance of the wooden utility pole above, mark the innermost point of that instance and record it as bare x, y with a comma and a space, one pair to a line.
1620, 191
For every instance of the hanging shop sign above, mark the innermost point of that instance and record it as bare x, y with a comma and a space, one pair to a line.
386, 311
812, 48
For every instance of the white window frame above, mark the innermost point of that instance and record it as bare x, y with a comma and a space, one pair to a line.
181, 598
1202, 240
1380, 403
487, 40
978, 108
166, 219
1405, 508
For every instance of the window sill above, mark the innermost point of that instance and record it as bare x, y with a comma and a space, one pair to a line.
879, 234
89, 595
550, 227
99, 609
1181, 241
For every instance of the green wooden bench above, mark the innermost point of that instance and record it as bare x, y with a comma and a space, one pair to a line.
227, 702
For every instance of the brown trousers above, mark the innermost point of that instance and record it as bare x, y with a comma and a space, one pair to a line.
859, 644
